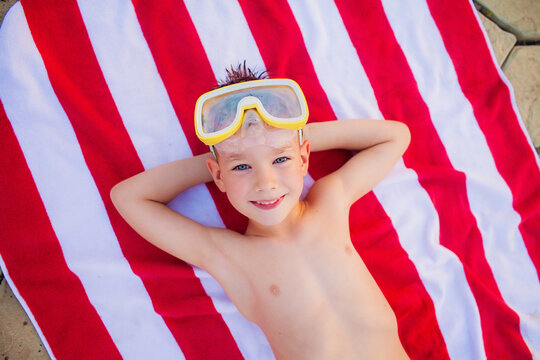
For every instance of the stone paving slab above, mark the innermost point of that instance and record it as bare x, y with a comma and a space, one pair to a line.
521, 16
18, 338
501, 41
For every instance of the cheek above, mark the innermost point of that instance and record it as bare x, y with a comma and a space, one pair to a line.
293, 178
236, 185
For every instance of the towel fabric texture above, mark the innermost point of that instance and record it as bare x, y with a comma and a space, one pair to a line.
95, 91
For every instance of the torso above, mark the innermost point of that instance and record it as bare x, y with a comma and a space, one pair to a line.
311, 295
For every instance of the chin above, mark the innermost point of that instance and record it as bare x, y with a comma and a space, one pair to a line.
270, 220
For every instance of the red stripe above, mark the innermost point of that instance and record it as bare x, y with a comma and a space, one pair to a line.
514, 158
398, 98
110, 156
371, 230
186, 73
52, 292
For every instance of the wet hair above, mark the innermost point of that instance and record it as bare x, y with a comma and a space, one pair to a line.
237, 74
241, 73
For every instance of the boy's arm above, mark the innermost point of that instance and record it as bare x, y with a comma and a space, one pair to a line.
380, 143
142, 199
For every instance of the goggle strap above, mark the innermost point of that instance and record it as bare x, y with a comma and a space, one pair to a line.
213, 152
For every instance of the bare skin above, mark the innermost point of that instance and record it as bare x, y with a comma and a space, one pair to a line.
294, 272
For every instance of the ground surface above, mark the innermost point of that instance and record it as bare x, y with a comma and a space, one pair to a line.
513, 27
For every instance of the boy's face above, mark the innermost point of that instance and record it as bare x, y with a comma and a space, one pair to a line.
261, 169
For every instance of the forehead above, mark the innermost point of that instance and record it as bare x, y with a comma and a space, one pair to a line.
275, 140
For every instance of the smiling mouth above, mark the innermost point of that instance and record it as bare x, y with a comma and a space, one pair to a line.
268, 204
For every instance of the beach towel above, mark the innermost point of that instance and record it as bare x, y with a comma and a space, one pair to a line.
93, 92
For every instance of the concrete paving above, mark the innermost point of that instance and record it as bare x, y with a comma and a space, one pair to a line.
513, 27
18, 338
502, 42
520, 17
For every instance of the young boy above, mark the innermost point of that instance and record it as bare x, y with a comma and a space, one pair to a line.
294, 272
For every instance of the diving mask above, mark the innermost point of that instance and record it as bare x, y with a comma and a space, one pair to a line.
279, 102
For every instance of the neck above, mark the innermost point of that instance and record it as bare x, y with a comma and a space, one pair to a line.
287, 226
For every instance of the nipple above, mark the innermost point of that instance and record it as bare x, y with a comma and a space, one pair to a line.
274, 289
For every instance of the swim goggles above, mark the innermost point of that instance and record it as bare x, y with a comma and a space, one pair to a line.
279, 102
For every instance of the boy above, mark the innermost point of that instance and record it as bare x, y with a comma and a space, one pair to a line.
294, 272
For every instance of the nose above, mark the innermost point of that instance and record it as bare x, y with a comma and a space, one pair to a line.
266, 179
251, 112
251, 117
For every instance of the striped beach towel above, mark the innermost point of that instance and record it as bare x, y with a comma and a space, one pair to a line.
95, 91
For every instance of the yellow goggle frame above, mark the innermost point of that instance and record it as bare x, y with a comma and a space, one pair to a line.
246, 103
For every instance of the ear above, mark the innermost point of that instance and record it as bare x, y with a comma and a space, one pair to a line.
304, 156
215, 171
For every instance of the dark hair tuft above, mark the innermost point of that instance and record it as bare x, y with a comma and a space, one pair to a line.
241, 73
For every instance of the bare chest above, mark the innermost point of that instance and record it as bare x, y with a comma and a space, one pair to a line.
315, 293
311, 295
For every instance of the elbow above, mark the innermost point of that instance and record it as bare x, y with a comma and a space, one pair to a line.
404, 135
407, 136
117, 194
122, 198
113, 194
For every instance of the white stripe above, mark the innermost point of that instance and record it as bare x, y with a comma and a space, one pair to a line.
216, 22
440, 270
72, 200
489, 196
132, 77
332, 55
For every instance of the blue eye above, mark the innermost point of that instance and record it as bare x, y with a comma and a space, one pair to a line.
281, 159
241, 167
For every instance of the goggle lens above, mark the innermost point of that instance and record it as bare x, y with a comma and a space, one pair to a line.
221, 111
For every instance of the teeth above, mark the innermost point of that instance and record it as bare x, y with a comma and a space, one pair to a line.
267, 202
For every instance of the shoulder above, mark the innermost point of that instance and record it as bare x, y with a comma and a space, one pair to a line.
328, 197
231, 267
